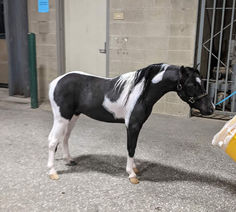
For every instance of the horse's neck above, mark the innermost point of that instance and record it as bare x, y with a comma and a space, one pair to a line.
157, 90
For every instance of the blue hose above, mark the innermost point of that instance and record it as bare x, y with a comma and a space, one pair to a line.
226, 98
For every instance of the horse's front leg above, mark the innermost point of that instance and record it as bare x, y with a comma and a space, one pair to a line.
132, 136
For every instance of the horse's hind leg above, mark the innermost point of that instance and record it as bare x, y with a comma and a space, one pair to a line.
66, 152
58, 131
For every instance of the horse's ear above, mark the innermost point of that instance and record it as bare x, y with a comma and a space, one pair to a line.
196, 66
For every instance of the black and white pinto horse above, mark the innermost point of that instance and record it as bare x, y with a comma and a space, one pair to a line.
127, 99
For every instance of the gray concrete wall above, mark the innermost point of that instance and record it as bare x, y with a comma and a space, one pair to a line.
3, 62
44, 26
153, 31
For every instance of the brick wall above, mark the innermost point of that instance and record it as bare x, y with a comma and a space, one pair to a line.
153, 31
44, 26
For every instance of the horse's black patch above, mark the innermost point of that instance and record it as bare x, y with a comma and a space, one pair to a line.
78, 93
115, 92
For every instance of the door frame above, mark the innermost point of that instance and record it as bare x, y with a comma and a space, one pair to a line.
107, 36
60, 36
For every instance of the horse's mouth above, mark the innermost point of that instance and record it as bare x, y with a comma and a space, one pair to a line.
205, 112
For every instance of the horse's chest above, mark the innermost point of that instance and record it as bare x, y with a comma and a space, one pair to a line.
116, 108
124, 105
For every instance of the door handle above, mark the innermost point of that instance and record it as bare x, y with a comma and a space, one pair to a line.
103, 51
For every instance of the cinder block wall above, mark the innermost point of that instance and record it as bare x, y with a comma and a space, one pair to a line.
3, 62
44, 26
153, 31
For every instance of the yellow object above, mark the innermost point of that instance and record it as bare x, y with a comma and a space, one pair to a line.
226, 138
231, 148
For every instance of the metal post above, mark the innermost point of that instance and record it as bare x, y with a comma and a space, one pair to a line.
227, 67
16, 25
219, 51
33, 71
201, 26
210, 53
107, 37
218, 32
60, 27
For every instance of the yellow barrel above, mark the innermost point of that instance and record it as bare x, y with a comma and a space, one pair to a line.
226, 138
231, 148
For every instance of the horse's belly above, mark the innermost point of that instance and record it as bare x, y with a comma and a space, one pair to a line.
102, 114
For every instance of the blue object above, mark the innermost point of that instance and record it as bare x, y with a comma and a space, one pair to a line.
226, 98
43, 6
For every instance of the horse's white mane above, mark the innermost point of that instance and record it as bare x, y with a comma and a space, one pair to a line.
126, 79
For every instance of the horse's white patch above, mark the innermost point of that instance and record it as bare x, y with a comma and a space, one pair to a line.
87, 74
134, 96
130, 167
213, 106
164, 67
116, 108
126, 78
158, 77
123, 107
198, 80
55, 108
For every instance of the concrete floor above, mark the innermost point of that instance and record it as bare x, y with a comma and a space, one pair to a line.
180, 169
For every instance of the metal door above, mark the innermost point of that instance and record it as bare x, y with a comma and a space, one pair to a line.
85, 36
216, 52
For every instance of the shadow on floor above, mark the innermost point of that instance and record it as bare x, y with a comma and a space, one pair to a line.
155, 172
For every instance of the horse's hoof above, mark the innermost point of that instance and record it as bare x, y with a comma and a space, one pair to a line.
54, 176
71, 163
134, 180
136, 171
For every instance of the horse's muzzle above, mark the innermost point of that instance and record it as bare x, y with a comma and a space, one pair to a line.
208, 111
